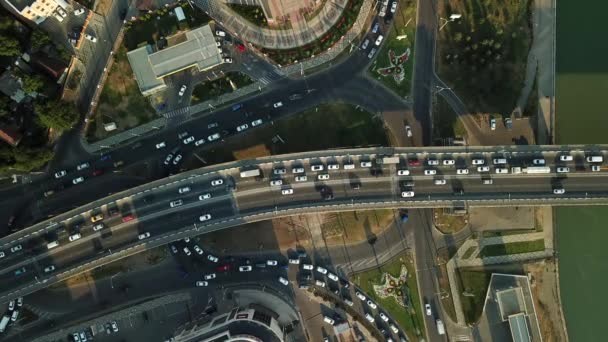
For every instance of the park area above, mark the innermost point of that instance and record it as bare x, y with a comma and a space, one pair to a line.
393, 286
208, 90
394, 65
482, 55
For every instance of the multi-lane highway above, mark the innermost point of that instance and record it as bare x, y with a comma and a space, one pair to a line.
178, 206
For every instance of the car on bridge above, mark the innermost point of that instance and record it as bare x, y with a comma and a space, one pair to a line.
205, 217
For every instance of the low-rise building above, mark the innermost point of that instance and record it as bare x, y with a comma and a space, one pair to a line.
36, 10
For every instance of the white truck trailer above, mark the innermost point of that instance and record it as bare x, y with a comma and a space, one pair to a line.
531, 169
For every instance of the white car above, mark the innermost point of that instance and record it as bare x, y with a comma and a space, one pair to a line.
538, 162
217, 182
332, 276
566, 158
478, 161
483, 169
316, 167
256, 122
11, 305
212, 258
449, 162
408, 131
432, 162
279, 171
430, 172
60, 174
90, 38
220, 33
78, 180
198, 250
245, 268
440, 182
20, 302
16, 248
182, 135
369, 318
227, 60
176, 203
182, 90
462, 171
394, 329
307, 267
394, 7
283, 281
559, 191
187, 251
58, 17
365, 44
61, 12
348, 302
160, 145
320, 283
375, 27
287, 192
323, 176
209, 276
383, 316
177, 159
372, 304
427, 309
199, 142
360, 296
205, 217
294, 261
79, 11
502, 170
329, 320
276, 182
366, 164
563, 169
278, 104
183, 190
188, 140
333, 166
493, 124
83, 166
298, 170
242, 127
204, 197
144, 235
403, 172
301, 179
406, 194
98, 227
379, 40
74, 237
202, 283
272, 262
321, 270
595, 168
213, 137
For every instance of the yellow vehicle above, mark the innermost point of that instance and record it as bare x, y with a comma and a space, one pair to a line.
96, 218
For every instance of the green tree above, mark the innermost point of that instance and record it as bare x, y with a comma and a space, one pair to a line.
9, 46
32, 83
39, 39
4, 102
57, 115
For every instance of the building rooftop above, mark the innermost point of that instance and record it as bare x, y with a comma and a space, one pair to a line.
519, 328
199, 50
146, 80
19, 5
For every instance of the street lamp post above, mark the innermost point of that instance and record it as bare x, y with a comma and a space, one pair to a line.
452, 18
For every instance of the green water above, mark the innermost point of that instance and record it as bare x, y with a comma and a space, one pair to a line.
582, 118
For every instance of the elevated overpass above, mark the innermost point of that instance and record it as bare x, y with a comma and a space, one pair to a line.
370, 182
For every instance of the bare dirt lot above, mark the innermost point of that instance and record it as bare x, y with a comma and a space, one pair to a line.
482, 219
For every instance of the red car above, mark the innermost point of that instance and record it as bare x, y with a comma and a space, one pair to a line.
223, 268
128, 218
414, 162
97, 172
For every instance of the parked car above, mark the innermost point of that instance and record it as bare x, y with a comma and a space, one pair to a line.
365, 44
182, 90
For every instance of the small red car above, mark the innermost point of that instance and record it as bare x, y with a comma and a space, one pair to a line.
413, 162
97, 172
128, 218
223, 268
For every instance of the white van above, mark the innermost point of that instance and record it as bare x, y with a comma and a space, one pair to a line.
52, 244
4, 322
499, 161
349, 166
595, 159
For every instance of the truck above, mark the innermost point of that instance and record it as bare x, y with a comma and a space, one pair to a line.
250, 173
531, 169
388, 160
4, 322
440, 327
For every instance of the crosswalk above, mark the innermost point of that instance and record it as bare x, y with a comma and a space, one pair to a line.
177, 112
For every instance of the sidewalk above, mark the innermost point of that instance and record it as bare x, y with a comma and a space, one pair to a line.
275, 39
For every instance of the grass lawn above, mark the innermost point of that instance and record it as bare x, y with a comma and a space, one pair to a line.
403, 24
467, 254
211, 89
513, 248
410, 320
355, 225
150, 27
483, 55
475, 285
120, 101
252, 13
446, 123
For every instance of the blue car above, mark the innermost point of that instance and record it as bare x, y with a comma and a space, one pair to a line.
20, 271
105, 157
237, 107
